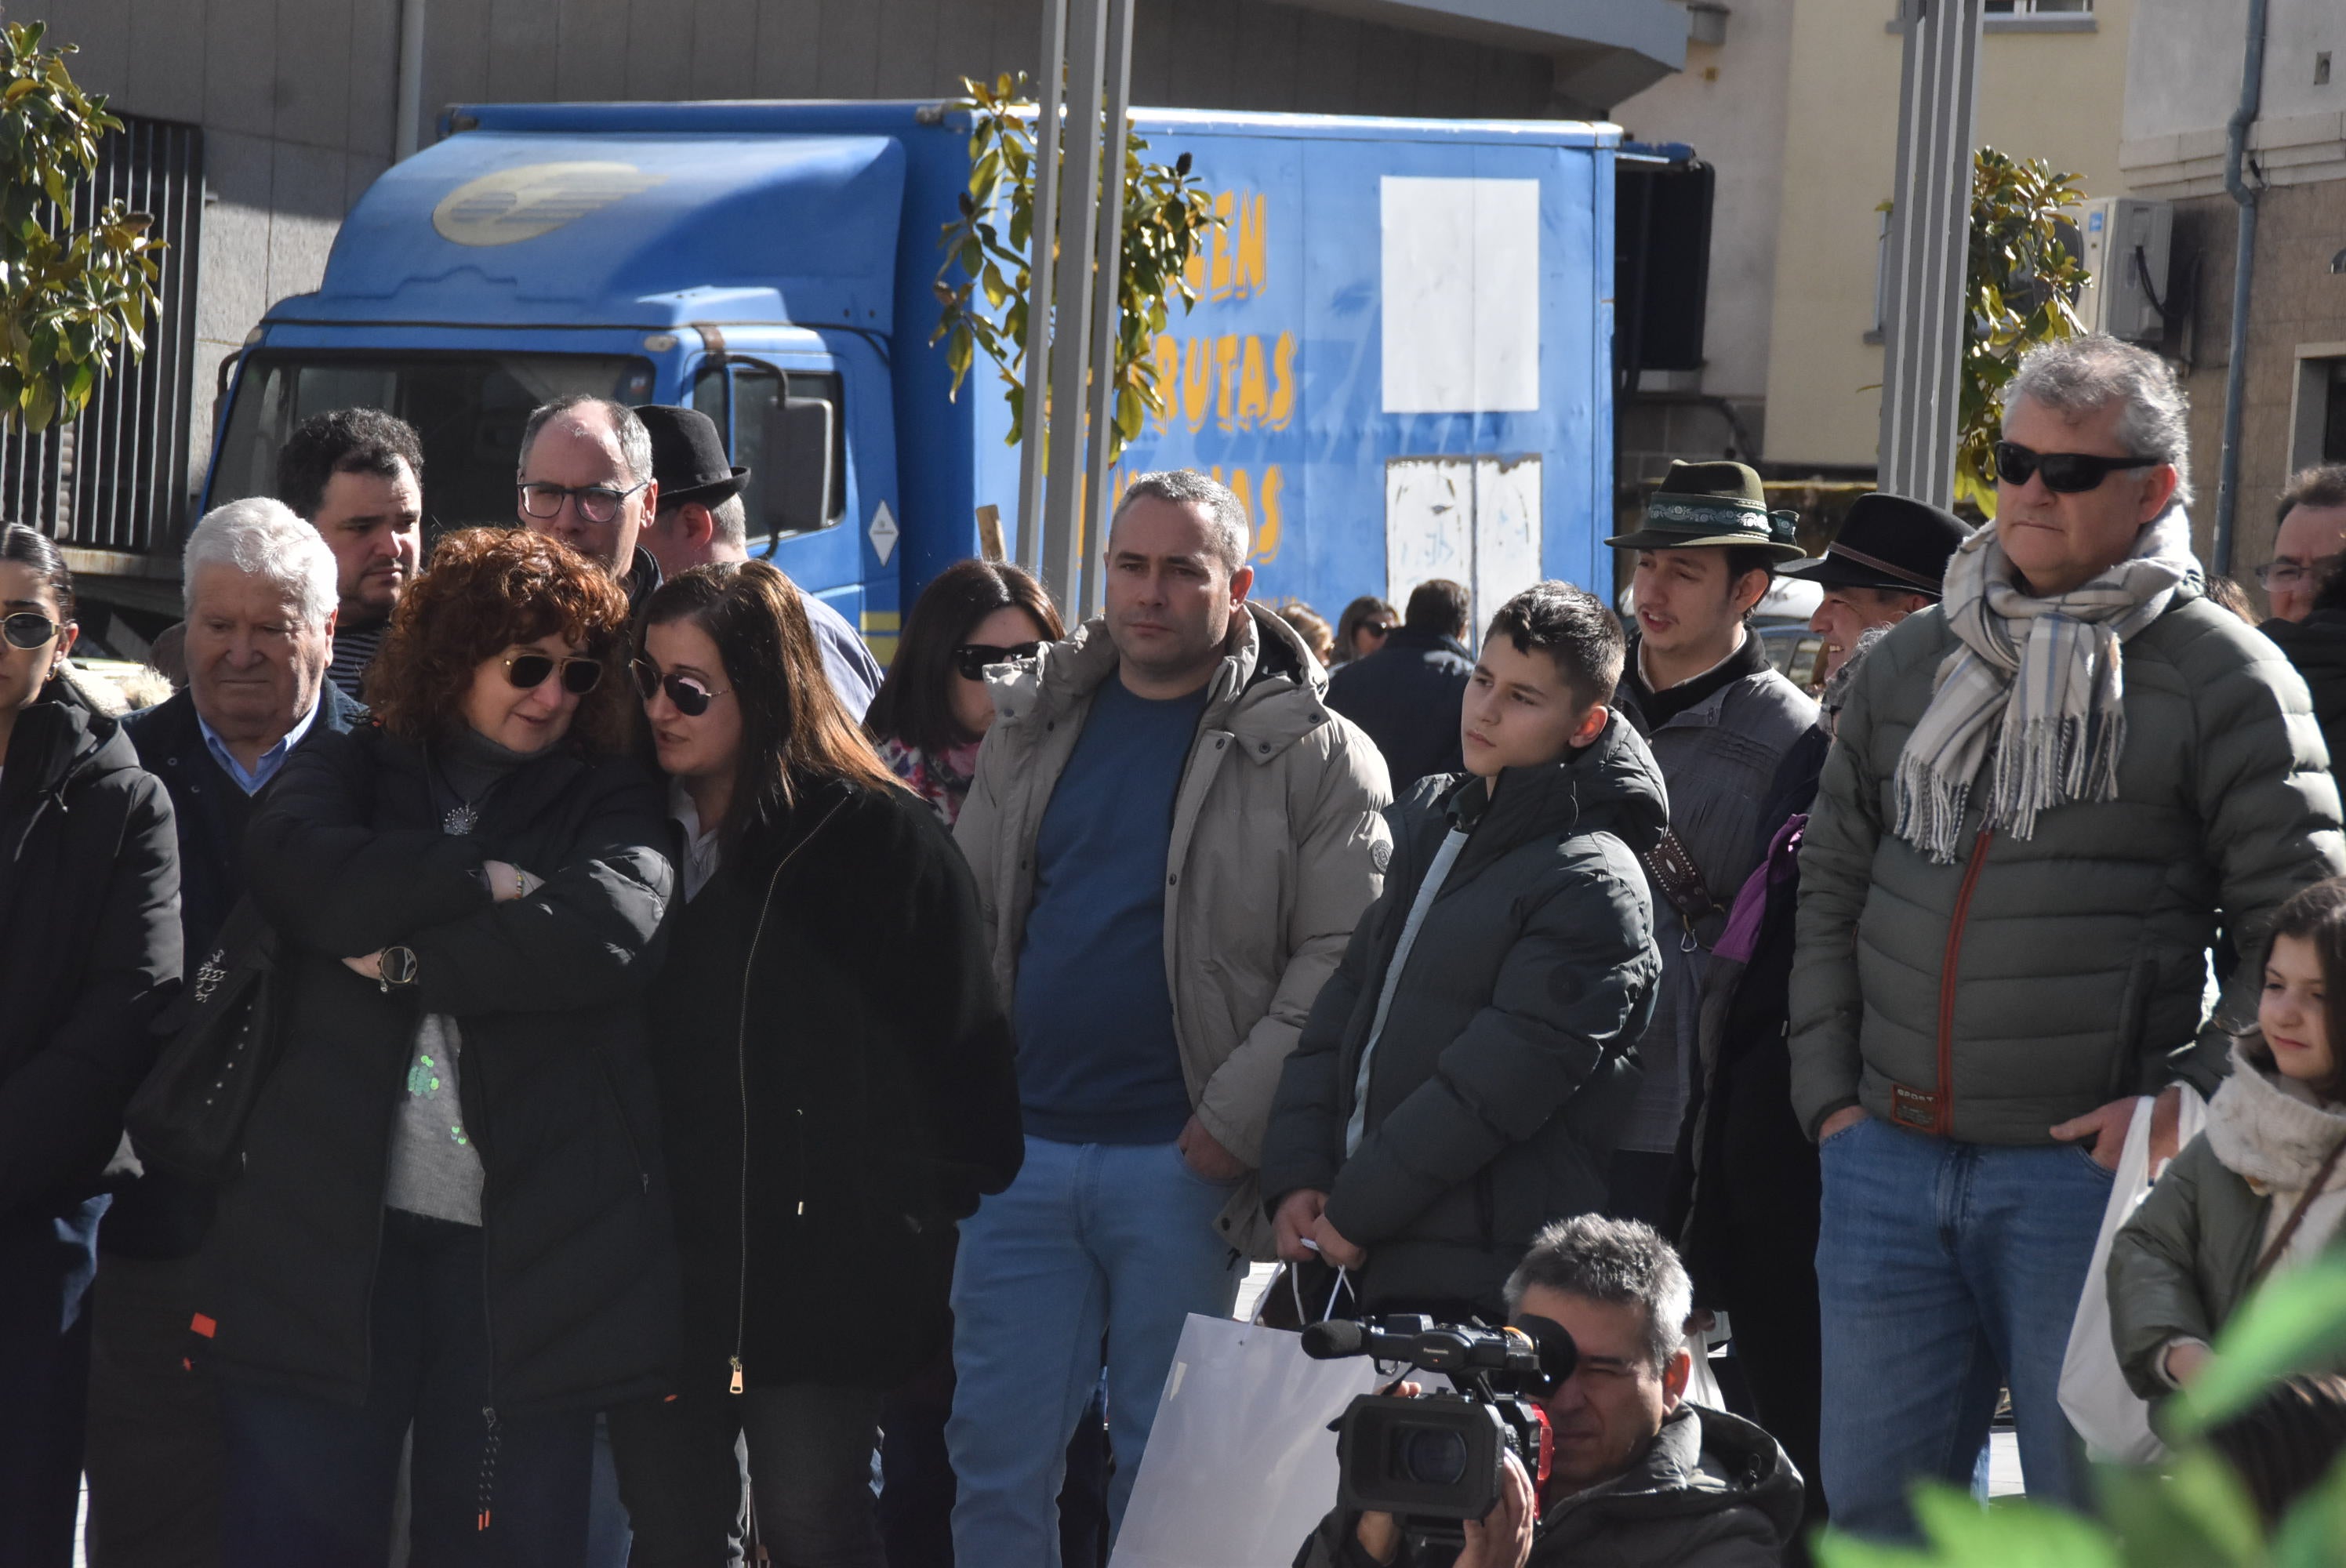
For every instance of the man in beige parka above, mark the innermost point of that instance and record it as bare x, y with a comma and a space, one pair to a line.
1173, 837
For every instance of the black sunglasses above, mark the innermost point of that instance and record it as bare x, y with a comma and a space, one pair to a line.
969, 659
528, 672
2066, 472
29, 629
691, 698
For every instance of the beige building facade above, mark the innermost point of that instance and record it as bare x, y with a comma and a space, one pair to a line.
1797, 108
2184, 77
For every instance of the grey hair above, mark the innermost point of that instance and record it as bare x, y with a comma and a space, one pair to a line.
264, 538
1622, 1261
2082, 375
729, 522
1233, 535
635, 439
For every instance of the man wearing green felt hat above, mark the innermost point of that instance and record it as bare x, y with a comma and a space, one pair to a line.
1719, 718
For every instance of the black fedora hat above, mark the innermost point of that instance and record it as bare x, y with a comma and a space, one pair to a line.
1711, 503
1890, 542
688, 456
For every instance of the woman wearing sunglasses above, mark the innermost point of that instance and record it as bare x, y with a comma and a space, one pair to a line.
934, 708
90, 926
450, 1213
835, 1073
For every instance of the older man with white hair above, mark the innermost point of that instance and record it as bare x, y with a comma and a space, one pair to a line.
260, 588
1173, 835
2044, 796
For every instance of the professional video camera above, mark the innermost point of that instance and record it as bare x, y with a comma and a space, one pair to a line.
1435, 1461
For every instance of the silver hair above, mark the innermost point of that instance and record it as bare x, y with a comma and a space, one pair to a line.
1233, 535
2082, 375
268, 539
728, 522
1622, 1261
635, 439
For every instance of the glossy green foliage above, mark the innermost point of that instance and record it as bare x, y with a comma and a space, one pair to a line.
70, 297
2020, 285
981, 287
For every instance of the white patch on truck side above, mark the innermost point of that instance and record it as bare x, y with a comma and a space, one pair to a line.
1461, 295
1473, 520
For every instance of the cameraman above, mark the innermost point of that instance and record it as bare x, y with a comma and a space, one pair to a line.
1638, 1476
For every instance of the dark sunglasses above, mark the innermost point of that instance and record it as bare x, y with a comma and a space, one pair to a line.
691, 698
528, 672
29, 630
969, 659
2066, 472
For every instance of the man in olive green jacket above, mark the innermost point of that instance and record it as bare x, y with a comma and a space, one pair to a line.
1172, 837
2043, 800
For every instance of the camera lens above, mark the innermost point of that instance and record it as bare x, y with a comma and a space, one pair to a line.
1434, 1456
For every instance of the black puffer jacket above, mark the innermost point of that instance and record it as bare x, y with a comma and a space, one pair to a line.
89, 921
865, 1028
348, 856
2317, 647
1505, 1060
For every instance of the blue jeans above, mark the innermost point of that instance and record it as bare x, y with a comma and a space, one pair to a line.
1943, 1270
310, 1483
1097, 1252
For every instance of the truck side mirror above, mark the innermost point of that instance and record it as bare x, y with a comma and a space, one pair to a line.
798, 447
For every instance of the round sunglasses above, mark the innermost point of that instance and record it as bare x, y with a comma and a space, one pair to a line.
29, 629
2066, 472
528, 672
691, 698
969, 659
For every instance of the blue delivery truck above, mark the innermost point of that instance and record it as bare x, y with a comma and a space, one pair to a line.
1400, 357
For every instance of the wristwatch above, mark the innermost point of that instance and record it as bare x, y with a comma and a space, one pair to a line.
395, 967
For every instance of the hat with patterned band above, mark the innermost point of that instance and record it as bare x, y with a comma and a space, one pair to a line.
1703, 504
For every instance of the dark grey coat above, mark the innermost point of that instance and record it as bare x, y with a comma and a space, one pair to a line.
2037, 978
1505, 1060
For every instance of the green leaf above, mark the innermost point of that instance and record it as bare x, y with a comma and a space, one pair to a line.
2314, 1532
2195, 1514
2295, 1322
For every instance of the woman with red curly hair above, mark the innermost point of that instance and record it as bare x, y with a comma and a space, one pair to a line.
451, 1216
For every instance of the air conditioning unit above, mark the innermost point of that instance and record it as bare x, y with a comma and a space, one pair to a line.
2127, 240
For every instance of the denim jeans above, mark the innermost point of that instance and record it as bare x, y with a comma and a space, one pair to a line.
310, 1482
1097, 1253
808, 1452
1944, 1270
47, 1262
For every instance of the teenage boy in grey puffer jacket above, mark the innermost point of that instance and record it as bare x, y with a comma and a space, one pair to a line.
1461, 1076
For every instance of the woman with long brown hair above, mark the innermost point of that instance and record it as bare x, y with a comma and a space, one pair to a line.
835, 1072
934, 708
449, 1219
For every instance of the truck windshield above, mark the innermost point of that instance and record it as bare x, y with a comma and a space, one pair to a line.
469, 409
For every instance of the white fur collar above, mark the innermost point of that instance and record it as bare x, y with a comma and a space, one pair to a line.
2269, 1131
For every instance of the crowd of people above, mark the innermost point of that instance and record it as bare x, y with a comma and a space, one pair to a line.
716, 1090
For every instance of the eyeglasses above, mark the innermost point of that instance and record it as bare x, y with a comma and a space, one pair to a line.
29, 630
691, 697
596, 502
2288, 574
528, 672
2066, 472
1375, 628
969, 659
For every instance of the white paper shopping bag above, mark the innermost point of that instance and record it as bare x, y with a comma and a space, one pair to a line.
1240, 1465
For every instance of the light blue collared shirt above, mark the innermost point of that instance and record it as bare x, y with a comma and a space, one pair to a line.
273, 758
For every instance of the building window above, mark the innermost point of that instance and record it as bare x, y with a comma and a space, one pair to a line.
2035, 7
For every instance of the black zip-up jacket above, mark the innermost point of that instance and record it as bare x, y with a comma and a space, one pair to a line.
348, 856
89, 922
835, 970
1505, 1063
